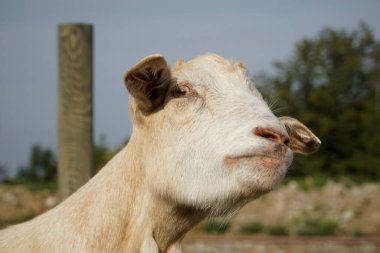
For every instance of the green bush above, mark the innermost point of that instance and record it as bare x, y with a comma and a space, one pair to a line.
358, 233
251, 228
51, 186
277, 230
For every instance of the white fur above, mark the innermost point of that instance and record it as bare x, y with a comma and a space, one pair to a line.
172, 174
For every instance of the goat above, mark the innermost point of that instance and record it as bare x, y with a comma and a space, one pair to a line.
204, 143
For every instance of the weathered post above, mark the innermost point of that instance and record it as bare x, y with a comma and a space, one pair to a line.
75, 107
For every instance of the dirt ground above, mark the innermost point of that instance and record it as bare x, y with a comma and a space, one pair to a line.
354, 209
17, 201
270, 244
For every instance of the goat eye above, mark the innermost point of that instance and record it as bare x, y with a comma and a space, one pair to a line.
180, 91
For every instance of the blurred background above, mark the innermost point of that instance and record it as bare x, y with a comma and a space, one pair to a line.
318, 61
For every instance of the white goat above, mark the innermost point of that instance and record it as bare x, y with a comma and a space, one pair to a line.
204, 143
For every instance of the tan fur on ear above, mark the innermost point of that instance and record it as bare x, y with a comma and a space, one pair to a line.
239, 64
178, 64
302, 140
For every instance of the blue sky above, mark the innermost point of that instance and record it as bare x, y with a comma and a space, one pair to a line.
256, 32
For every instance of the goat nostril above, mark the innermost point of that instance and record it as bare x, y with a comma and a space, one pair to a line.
269, 136
272, 135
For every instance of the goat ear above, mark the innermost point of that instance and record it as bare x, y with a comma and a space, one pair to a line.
148, 82
302, 140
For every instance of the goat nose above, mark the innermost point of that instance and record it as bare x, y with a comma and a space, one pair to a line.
272, 135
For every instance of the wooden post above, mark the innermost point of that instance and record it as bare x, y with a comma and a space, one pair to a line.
75, 130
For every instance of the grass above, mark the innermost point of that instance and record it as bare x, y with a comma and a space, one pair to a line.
256, 227
302, 227
216, 227
19, 219
252, 228
316, 227
51, 186
358, 233
277, 230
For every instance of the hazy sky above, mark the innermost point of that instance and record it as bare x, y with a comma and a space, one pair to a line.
257, 32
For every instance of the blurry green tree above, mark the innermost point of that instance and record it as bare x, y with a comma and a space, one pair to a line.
3, 173
332, 84
42, 165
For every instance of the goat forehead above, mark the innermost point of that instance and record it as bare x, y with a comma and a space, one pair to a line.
216, 76
212, 71
212, 59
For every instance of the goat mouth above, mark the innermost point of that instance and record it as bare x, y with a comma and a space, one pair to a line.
269, 155
231, 160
